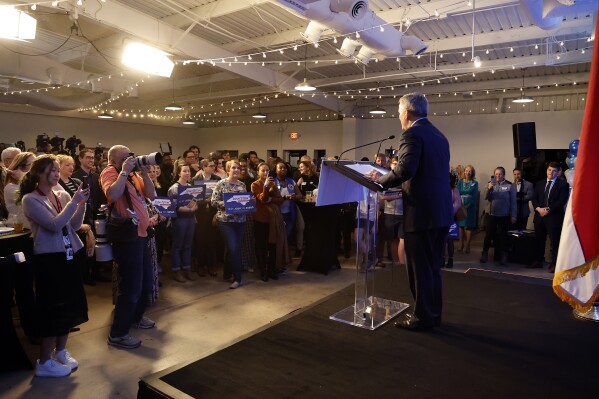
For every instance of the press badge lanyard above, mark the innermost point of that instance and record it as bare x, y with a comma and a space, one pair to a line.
65, 233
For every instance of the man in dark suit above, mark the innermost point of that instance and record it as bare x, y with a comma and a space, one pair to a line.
524, 193
92, 272
423, 173
551, 196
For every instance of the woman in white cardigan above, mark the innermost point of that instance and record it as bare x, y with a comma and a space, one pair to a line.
61, 304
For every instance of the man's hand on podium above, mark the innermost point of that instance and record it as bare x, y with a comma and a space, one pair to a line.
374, 175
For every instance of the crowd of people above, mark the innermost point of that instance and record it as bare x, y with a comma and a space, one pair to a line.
60, 199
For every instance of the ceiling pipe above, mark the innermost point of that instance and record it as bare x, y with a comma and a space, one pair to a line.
349, 16
549, 14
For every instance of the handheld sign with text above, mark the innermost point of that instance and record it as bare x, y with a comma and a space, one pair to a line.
209, 184
187, 193
165, 206
237, 203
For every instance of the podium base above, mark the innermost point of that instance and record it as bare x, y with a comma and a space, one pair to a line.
377, 312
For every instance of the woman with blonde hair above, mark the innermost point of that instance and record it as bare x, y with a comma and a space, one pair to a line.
231, 226
468, 188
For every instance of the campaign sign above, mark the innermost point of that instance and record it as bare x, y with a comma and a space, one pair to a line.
187, 193
236, 203
454, 231
210, 184
165, 206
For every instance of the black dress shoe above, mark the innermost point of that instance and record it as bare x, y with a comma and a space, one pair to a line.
535, 265
413, 324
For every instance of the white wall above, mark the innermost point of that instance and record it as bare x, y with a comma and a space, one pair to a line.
484, 141
272, 136
140, 138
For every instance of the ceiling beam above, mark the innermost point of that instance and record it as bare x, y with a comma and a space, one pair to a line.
159, 33
455, 69
393, 16
209, 11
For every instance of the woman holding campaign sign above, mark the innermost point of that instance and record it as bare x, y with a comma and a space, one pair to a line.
232, 202
183, 224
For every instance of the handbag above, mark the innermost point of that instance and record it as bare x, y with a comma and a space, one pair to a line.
120, 229
461, 214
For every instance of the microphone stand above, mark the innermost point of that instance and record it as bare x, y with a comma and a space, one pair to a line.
364, 145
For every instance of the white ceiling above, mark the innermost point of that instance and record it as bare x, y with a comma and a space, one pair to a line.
212, 42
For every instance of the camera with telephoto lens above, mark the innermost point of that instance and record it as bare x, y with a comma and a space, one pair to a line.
154, 158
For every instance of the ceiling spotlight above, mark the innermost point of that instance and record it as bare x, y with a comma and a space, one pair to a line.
477, 62
105, 115
377, 111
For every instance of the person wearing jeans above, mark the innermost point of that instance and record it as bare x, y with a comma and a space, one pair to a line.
183, 227
231, 226
133, 259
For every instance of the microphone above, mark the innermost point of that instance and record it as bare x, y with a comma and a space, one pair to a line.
364, 145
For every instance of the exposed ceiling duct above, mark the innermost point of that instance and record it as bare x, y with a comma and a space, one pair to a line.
378, 38
549, 14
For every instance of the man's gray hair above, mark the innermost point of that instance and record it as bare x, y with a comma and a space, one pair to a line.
114, 149
416, 103
8, 151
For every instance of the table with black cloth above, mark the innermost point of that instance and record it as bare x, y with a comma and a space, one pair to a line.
320, 254
13, 351
521, 247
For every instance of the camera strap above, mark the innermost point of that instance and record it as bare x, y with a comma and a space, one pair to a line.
127, 197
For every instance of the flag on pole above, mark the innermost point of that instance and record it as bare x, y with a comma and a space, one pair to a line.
576, 279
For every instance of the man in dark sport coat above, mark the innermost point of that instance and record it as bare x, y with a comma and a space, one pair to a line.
423, 173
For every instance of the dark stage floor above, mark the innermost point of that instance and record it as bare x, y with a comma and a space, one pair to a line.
499, 339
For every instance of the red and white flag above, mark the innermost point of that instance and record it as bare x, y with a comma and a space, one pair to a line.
576, 279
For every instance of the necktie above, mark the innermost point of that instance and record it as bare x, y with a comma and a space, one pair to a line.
546, 195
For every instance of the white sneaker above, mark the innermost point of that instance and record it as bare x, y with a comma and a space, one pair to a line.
51, 368
65, 358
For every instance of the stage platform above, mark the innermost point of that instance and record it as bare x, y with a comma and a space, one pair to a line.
502, 337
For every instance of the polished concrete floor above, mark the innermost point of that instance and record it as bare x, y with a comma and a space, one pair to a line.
193, 320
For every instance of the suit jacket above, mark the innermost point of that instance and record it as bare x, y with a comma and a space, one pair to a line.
523, 197
96, 194
558, 198
423, 172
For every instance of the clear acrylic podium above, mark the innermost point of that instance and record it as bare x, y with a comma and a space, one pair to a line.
342, 182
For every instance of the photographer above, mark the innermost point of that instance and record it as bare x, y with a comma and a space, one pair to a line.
133, 258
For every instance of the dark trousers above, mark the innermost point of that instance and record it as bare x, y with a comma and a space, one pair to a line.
232, 234
135, 270
424, 257
496, 231
265, 251
520, 223
346, 223
551, 225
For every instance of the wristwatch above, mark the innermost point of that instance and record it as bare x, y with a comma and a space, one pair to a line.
123, 173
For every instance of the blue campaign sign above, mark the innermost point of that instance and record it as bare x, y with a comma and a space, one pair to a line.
187, 193
237, 203
165, 206
454, 232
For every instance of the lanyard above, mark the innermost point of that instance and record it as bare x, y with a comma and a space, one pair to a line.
58, 206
